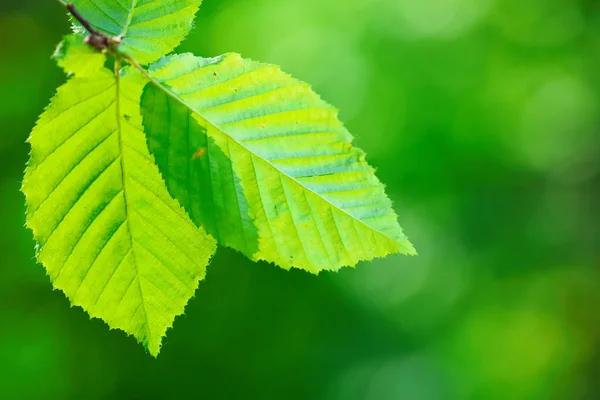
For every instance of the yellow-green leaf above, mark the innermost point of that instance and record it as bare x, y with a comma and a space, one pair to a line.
265, 165
108, 233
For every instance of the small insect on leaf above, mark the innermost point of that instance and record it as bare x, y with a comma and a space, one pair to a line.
200, 153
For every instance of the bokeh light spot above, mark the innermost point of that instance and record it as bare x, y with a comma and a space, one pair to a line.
559, 130
438, 19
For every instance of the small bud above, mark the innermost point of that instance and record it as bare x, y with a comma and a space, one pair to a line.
98, 42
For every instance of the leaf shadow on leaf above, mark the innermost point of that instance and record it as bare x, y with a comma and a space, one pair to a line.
197, 171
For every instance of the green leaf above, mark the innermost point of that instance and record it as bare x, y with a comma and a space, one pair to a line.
75, 57
150, 28
108, 233
265, 165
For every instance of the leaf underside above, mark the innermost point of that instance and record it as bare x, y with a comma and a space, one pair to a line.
108, 233
265, 165
151, 28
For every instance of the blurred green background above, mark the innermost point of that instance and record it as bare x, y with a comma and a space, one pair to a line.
482, 117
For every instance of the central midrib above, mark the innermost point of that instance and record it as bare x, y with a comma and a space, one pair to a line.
129, 18
123, 178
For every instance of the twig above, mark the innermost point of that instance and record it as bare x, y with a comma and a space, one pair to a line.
86, 24
96, 39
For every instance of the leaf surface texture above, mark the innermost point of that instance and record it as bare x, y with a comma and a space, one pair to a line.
108, 233
265, 165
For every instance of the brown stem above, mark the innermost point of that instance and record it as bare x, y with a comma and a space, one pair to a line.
96, 39
86, 24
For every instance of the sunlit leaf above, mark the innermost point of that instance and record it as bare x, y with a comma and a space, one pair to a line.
108, 233
265, 165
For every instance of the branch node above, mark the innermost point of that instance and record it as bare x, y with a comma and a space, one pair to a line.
98, 40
